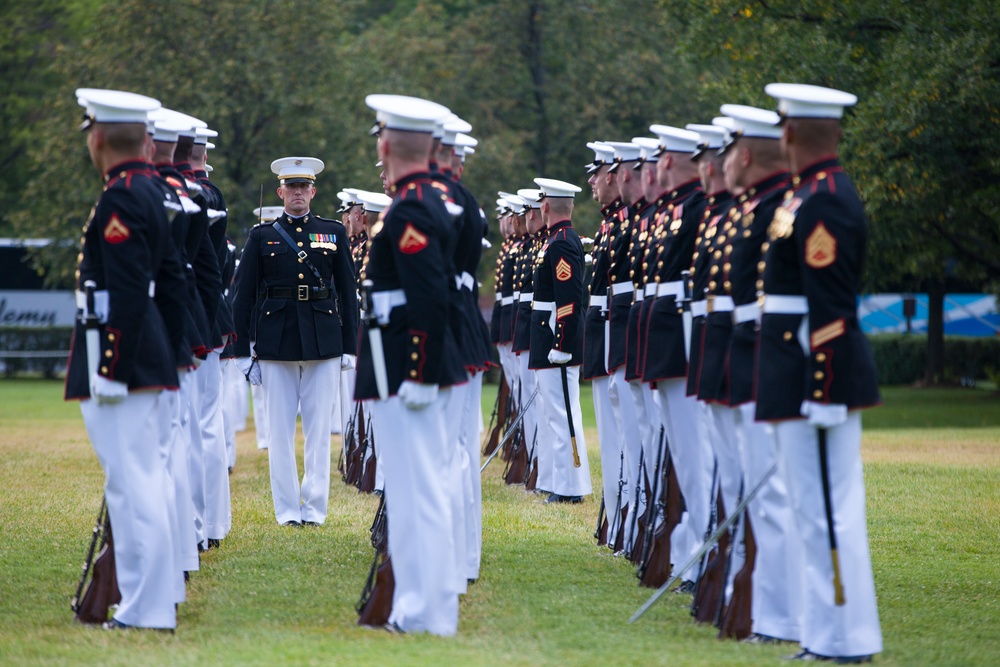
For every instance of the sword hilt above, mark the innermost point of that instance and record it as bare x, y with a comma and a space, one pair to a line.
367, 303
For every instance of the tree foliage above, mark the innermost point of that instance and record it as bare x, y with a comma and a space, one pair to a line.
537, 79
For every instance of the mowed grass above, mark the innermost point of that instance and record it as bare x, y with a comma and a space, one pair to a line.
547, 594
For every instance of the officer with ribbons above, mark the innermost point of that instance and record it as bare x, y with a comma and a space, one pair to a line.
296, 298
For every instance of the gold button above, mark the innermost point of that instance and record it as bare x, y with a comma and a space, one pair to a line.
818, 375
717, 254
104, 370
268, 312
299, 244
789, 194
729, 250
760, 284
108, 353
414, 356
795, 181
727, 226
298, 229
272, 255
728, 285
821, 357
711, 285
300, 261
727, 266
111, 336
746, 233
301, 276
821, 176
818, 393
659, 265
713, 270
79, 257
413, 374
765, 246
330, 311
416, 340
631, 274
122, 175
760, 266
787, 336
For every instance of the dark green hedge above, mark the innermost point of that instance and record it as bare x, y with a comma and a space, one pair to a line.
902, 358
25, 339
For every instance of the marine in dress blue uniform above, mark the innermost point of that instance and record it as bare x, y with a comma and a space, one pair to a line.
814, 362
411, 267
304, 325
128, 252
557, 342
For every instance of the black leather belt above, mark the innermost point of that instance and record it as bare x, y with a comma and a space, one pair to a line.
299, 293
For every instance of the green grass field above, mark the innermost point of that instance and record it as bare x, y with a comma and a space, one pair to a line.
547, 594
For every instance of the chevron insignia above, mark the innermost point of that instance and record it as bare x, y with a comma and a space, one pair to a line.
412, 241
821, 248
564, 311
116, 231
563, 270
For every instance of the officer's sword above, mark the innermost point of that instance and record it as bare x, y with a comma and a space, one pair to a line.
707, 546
569, 416
92, 324
686, 315
374, 340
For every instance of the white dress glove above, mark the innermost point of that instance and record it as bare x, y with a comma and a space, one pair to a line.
347, 362
559, 357
250, 369
107, 392
417, 396
822, 415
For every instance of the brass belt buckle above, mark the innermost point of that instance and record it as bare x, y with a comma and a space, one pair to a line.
303, 292
710, 303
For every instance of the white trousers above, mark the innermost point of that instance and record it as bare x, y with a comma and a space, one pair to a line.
727, 446
165, 431
259, 414
456, 480
538, 447
218, 513
611, 465
191, 423
775, 602
692, 459
630, 442
471, 433
186, 537
313, 385
234, 402
827, 629
127, 440
417, 463
567, 479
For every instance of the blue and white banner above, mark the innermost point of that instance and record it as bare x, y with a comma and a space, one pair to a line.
964, 314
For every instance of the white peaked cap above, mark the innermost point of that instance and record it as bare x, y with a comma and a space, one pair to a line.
674, 139
649, 149
401, 112
532, 198
167, 130
751, 122
515, 203
603, 154
624, 152
268, 213
349, 197
203, 134
297, 169
114, 106
709, 136
209, 168
190, 122
800, 100
453, 127
209, 145
557, 189
374, 201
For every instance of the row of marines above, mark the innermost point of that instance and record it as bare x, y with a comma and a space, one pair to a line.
722, 344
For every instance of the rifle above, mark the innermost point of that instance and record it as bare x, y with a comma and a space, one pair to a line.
709, 543
729, 563
375, 603
355, 458
367, 482
712, 584
95, 536
640, 482
499, 415
517, 466
737, 623
531, 483
622, 512
349, 442
601, 532
658, 568
653, 508
510, 432
102, 592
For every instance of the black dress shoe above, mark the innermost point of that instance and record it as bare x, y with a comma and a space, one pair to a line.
393, 629
295, 524
806, 655
757, 638
556, 498
115, 624
315, 524
852, 660
687, 587
214, 544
